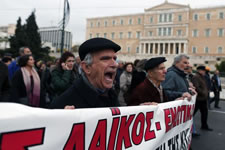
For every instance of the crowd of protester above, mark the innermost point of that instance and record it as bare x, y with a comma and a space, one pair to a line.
96, 78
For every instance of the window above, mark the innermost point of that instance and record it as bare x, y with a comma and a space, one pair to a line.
165, 17
138, 34
113, 22
150, 33
206, 50
220, 32
195, 17
105, 35
179, 32
113, 35
98, 24
170, 17
105, 23
91, 24
221, 15
128, 49
159, 31
195, 33
139, 20
164, 31
194, 50
137, 49
97, 34
207, 32
129, 35
121, 21
160, 17
208, 16
130, 21
151, 20
220, 50
180, 18
169, 31
121, 35
90, 35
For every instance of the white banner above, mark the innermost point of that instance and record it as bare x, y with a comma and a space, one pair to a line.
166, 126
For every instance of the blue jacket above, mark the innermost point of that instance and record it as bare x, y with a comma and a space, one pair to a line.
175, 83
13, 67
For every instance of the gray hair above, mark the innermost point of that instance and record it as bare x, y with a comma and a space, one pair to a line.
88, 59
178, 58
21, 50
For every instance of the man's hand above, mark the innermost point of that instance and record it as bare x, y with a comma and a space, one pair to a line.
149, 103
193, 91
69, 107
186, 95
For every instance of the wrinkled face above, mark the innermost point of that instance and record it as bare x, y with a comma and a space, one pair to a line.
129, 68
101, 73
120, 65
158, 74
70, 62
27, 51
183, 64
30, 62
202, 72
217, 72
188, 70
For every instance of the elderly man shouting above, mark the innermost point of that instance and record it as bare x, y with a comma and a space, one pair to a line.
98, 70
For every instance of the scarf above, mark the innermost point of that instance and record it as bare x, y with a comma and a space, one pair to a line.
33, 95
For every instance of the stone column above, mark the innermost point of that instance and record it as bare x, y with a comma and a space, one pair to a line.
168, 48
149, 48
185, 48
159, 48
144, 51
153, 48
174, 48
179, 50
140, 50
164, 48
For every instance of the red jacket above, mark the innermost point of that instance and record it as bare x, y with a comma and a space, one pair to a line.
145, 92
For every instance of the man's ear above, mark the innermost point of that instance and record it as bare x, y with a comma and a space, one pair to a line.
85, 67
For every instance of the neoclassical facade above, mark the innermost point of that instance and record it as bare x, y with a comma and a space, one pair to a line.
166, 29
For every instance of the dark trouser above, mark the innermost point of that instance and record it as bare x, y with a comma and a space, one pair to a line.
216, 98
202, 105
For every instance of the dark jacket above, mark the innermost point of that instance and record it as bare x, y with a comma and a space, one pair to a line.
61, 80
145, 92
175, 83
18, 89
208, 81
4, 83
201, 87
82, 95
215, 86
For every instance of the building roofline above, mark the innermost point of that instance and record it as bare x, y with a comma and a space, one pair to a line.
166, 2
125, 15
210, 7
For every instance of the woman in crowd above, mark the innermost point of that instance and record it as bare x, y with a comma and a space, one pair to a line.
125, 81
63, 76
26, 85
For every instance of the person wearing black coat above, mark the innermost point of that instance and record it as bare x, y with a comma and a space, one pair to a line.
216, 82
4, 83
98, 71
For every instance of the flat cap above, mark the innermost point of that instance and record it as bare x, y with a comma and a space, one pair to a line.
201, 67
96, 44
154, 62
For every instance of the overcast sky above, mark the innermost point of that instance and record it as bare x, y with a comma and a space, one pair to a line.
49, 12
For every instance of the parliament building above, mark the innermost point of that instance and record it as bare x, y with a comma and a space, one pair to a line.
167, 29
